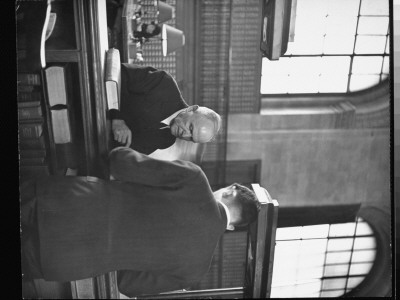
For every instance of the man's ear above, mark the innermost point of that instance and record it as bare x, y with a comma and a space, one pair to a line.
193, 108
228, 192
230, 227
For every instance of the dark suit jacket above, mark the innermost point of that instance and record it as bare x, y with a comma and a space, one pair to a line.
148, 96
158, 221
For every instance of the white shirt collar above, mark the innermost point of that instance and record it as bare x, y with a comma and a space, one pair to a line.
168, 120
228, 216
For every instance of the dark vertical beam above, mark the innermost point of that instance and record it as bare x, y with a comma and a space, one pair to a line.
186, 56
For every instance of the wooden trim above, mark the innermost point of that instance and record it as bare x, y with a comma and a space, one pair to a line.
62, 56
85, 88
197, 52
314, 215
99, 46
264, 252
185, 58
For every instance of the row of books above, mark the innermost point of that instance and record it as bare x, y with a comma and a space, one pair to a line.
32, 144
45, 122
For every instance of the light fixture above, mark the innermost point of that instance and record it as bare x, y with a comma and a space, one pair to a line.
172, 39
165, 12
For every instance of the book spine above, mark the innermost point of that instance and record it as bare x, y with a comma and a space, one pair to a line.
28, 104
29, 131
25, 88
29, 79
32, 161
34, 171
32, 144
113, 65
26, 113
24, 153
29, 97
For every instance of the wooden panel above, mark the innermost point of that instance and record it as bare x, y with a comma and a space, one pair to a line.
62, 56
245, 60
99, 45
241, 171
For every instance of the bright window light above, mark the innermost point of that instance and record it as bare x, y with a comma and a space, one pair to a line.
339, 47
324, 260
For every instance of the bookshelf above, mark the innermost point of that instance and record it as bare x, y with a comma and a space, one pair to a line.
78, 42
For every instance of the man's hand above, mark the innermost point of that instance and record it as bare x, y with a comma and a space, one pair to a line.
121, 132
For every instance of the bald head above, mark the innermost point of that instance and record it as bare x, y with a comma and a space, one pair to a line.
198, 124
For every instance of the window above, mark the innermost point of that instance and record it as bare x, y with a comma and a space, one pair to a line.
338, 47
326, 260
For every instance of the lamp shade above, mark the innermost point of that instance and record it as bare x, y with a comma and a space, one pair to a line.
165, 12
172, 39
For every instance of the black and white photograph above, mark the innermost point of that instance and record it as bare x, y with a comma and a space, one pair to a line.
271, 177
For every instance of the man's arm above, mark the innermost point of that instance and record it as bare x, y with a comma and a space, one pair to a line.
134, 79
129, 165
134, 283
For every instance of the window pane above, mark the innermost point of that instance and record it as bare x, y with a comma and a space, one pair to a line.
336, 270
318, 7
281, 66
374, 7
274, 84
346, 229
363, 256
386, 65
364, 243
310, 273
387, 49
311, 27
367, 65
308, 66
338, 257
363, 228
360, 269
352, 282
341, 25
287, 291
340, 244
335, 65
360, 82
333, 83
325, 294
373, 25
343, 7
370, 44
313, 246
337, 44
315, 231
298, 83
309, 289
286, 233
307, 260
306, 45
330, 284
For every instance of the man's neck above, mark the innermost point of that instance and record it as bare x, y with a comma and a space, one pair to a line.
228, 216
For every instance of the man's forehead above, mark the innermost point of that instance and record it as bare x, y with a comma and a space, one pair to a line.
202, 133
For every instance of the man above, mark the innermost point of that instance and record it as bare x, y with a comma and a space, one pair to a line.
153, 113
157, 224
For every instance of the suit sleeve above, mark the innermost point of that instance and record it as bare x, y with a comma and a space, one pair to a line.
129, 165
134, 283
135, 80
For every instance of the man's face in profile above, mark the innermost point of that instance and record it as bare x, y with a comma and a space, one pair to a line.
192, 125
